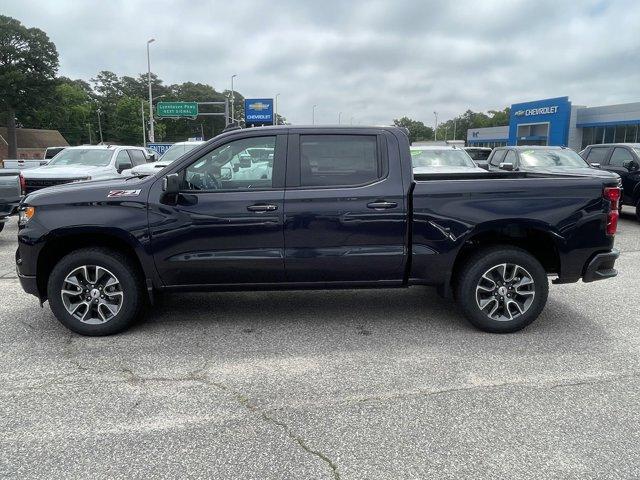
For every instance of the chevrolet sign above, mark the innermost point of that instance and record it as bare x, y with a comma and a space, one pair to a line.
258, 111
537, 111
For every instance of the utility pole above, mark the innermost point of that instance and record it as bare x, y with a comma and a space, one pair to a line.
454, 128
152, 137
233, 106
100, 125
435, 131
339, 117
275, 116
313, 114
144, 136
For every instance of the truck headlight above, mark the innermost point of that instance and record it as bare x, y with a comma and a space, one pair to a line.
25, 214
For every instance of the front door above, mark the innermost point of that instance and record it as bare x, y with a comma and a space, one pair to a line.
345, 210
227, 225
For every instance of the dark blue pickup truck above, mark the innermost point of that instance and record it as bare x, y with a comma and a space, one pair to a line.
310, 208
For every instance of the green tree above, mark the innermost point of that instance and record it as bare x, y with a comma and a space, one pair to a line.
418, 131
28, 65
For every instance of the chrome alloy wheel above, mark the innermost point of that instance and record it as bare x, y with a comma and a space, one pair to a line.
92, 294
505, 291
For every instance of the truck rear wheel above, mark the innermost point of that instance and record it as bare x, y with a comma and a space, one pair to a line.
502, 289
95, 292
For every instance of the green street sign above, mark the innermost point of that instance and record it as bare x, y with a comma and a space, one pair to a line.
177, 109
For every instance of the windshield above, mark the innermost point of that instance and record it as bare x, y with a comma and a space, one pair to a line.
176, 151
552, 158
90, 157
441, 158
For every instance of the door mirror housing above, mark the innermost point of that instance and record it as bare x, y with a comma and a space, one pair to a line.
171, 184
508, 166
152, 158
124, 166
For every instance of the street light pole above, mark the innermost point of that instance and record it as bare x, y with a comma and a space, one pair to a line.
313, 114
339, 117
152, 137
144, 135
435, 132
100, 125
275, 116
233, 107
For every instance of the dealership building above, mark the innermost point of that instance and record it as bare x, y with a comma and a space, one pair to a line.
556, 121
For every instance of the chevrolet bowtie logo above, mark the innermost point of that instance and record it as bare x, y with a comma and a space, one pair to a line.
258, 106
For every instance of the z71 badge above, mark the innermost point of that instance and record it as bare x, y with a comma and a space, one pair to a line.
123, 193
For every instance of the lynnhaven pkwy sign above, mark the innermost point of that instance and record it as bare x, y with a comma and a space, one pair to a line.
177, 109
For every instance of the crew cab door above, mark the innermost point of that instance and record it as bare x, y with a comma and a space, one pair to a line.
345, 207
227, 225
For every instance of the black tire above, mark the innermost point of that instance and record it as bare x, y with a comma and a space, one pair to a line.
638, 210
130, 284
1, 226
487, 261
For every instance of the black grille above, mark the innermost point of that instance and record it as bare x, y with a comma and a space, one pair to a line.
33, 184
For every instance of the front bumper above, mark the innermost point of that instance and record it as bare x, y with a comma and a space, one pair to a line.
29, 284
600, 267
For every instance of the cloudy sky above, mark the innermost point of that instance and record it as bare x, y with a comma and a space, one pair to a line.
373, 60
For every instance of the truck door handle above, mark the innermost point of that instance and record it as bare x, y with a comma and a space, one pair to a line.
262, 208
381, 205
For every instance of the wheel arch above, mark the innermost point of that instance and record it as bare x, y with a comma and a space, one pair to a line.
61, 243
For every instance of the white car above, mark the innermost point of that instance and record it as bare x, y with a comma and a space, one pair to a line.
88, 162
173, 153
442, 159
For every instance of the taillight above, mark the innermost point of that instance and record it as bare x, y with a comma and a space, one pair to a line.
612, 194
23, 185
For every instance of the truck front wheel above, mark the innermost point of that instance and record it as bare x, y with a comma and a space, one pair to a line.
94, 291
502, 289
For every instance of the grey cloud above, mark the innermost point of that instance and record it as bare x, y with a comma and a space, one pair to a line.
373, 60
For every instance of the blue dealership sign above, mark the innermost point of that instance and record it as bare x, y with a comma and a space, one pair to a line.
258, 111
542, 122
159, 148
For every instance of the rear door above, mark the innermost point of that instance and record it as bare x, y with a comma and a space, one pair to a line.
345, 210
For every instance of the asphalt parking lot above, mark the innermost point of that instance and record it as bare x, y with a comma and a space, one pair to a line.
304, 385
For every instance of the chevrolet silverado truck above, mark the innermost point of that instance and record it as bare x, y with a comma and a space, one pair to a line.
337, 207
11, 191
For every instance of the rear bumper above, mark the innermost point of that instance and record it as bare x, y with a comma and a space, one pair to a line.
600, 267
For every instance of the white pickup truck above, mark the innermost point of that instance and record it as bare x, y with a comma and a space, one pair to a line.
89, 162
23, 164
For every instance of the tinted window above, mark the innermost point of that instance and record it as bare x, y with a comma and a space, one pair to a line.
597, 155
497, 157
620, 157
137, 157
331, 160
477, 154
239, 165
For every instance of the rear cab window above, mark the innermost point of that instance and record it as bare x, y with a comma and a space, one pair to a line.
339, 160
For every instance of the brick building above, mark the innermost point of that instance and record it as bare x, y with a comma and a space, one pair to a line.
32, 142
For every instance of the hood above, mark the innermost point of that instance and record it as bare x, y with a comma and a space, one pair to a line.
91, 190
68, 171
587, 171
428, 170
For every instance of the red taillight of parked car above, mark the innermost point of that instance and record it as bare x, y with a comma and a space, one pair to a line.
612, 194
23, 185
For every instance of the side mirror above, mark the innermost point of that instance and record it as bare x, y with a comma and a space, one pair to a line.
595, 165
171, 184
632, 166
152, 157
245, 162
506, 166
124, 166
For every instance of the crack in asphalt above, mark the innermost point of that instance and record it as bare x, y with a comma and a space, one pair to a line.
199, 376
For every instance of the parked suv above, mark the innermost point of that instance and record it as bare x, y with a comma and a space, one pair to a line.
88, 162
543, 159
623, 159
